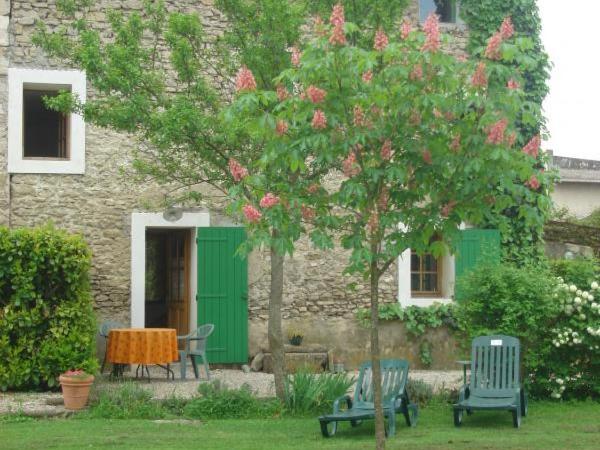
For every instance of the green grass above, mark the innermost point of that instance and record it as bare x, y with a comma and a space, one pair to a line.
549, 426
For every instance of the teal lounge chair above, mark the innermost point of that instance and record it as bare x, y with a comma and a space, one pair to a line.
495, 382
394, 375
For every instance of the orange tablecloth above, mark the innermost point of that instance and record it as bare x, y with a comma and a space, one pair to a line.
142, 346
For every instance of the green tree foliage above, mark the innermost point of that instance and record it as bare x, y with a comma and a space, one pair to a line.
47, 324
422, 139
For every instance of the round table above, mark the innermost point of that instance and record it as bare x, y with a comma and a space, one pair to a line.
144, 346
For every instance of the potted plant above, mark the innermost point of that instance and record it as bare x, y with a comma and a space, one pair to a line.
76, 386
295, 336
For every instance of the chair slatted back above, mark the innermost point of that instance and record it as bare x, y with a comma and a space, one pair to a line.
495, 366
394, 375
198, 338
107, 326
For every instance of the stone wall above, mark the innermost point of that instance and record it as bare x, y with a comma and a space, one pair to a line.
99, 203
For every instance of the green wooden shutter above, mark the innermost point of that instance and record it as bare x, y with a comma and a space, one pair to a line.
223, 293
476, 247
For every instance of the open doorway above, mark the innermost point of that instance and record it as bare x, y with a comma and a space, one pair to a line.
167, 279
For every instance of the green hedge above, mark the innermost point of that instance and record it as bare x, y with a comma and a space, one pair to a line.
47, 322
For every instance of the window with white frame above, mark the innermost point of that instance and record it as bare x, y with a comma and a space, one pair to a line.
446, 10
41, 140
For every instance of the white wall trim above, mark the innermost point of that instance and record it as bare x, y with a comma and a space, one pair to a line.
139, 223
44, 79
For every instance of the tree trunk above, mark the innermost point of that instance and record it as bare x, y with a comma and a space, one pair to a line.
379, 420
275, 332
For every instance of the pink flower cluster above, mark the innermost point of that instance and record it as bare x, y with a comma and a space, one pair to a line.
74, 373
431, 27
307, 212
386, 150
281, 127
512, 84
383, 199
237, 170
350, 167
416, 73
319, 121
496, 132
315, 94
427, 156
338, 37
533, 183
492, 51
359, 116
479, 78
455, 144
244, 80
381, 41
252, 214
532, 148
313, 188
269, 200
405, 29
282, 92
367, 76
296, 55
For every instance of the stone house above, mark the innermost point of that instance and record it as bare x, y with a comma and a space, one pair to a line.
154, 267
578, 189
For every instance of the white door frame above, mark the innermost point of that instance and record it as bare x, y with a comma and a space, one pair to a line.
139, 223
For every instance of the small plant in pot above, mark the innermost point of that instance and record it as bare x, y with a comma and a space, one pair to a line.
75, 385
295, 336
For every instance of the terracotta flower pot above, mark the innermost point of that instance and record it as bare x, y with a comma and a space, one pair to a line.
76, 390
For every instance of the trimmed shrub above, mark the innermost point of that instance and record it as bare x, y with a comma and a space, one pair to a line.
47, 322
579, 271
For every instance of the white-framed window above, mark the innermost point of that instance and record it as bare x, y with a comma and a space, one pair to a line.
41, 140
447, 10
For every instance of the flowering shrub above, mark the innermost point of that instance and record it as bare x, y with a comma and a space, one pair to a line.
572, 363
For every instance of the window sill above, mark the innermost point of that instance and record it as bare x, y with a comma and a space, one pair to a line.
50, 166
425, 301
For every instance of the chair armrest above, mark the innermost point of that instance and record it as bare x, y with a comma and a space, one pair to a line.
336, 403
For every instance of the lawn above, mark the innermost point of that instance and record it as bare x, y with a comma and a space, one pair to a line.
549, 426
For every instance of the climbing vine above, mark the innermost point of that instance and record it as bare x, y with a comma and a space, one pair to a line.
522, 236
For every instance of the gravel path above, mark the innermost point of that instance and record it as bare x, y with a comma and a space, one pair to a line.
50, 404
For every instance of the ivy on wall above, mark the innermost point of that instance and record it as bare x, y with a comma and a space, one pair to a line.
522, 238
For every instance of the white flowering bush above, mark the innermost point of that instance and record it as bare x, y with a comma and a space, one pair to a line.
570, 367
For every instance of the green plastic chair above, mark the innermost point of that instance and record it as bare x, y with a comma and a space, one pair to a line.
195, 345
495, 381
104, 331
394, 375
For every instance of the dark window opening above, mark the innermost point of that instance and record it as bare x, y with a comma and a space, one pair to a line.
447, 10
424, 274
45, 132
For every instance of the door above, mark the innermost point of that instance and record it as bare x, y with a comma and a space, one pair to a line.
223, 293
476, 247
177, 280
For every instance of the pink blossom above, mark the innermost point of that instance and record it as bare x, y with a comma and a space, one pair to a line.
359, 116
381, 40
314, 188
315, 94
479, 78
383, 199
416, 73
296, 55
496, 132
405, 29
386, 150
427, 156
349, 166
282, 92
245, 80
252, 214
237, 170
337, 20
281, 128
533, 183
507, 29
432, 33
447, 208
307, 212
319, 121
532, 148
455, 144
74, 373
512, 84
319, 26
269, 200
492, 51
367, 76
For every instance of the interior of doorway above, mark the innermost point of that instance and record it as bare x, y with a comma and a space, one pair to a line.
167, 279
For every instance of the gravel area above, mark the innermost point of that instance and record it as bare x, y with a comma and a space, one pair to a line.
50, 404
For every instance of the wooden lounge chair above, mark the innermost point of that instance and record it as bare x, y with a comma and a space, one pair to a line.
394, 375
495, 381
